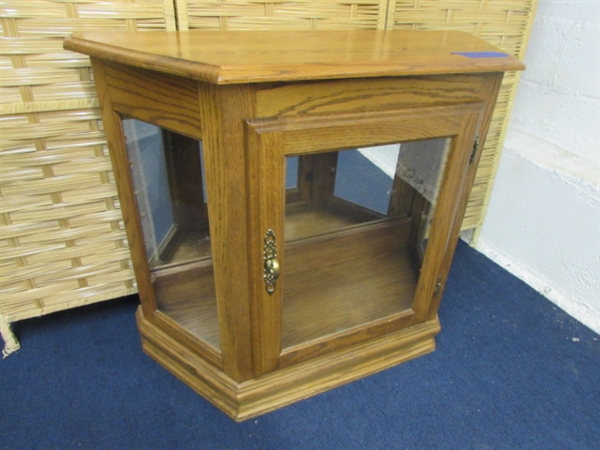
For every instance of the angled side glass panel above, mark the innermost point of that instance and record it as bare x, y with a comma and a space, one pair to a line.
167, 173
355, 236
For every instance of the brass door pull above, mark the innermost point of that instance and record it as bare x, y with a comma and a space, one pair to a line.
271, 265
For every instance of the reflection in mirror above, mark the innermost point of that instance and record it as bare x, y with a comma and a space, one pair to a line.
420, 166
373, 205
350, 187
291, 175
373, 187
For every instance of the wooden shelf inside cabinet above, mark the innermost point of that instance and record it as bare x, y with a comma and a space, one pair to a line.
291, 198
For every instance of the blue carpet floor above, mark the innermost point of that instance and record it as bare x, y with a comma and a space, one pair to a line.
511, 371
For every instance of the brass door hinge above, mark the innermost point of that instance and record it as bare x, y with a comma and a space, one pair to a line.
475, 150
438, 287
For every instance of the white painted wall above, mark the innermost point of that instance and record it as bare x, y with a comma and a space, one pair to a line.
543, 220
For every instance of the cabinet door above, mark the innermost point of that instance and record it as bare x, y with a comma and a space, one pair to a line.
357, 218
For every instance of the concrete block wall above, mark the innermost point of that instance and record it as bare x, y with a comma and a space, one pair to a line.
543, 220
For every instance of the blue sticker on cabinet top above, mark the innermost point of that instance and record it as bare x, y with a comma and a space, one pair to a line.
481, 54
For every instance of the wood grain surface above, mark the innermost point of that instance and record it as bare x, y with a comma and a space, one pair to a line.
263, 56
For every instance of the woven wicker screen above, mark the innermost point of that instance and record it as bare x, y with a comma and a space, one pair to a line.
61, 232
281, 14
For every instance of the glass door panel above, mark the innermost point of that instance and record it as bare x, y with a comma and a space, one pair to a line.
355, 235
168, 177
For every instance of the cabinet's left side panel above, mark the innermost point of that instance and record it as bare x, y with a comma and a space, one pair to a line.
155, 142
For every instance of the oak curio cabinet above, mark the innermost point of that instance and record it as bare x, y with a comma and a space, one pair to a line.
292, 200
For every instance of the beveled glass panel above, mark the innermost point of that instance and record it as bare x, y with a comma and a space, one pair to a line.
167, 173
355, 236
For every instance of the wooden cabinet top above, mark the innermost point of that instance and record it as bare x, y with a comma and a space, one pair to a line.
235, 57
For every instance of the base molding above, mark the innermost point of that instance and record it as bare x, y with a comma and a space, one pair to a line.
248, 399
